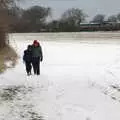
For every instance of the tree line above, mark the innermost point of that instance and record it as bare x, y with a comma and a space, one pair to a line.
34, 19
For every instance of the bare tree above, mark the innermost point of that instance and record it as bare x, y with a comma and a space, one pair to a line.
8, 3
3, 27
74, 16
35, 17
118, 16
99, 18
4, 21
112, 18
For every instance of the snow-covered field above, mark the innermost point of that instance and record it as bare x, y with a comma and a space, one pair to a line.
79, 79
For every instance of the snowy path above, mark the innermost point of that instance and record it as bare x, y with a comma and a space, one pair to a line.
79, 81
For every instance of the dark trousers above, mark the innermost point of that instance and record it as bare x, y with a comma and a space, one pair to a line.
36, 65
28, 67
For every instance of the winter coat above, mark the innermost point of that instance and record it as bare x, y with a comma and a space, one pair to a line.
27, 57
37, 52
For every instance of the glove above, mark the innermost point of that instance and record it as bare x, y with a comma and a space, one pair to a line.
41, 59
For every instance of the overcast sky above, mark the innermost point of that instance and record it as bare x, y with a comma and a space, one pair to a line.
90, 7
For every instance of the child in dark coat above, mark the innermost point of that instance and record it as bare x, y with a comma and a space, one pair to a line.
27, 58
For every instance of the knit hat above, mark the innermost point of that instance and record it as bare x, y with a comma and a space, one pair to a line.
35, 42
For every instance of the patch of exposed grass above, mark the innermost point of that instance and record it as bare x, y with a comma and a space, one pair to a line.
10, 93
7, 54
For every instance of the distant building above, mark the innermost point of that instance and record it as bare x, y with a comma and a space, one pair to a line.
106, 25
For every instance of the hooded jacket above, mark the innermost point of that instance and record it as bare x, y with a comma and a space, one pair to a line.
27, 57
